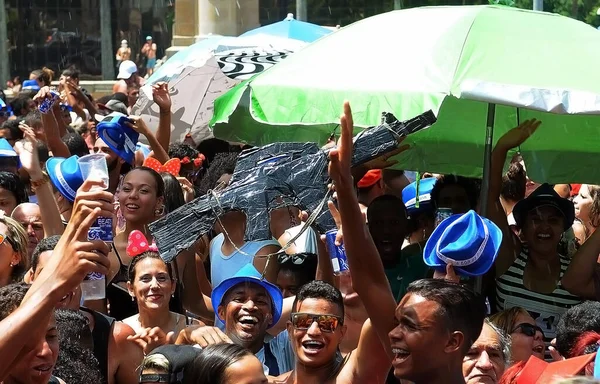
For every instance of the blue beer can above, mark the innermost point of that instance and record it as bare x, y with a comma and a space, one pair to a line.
337, 254
46, 104
442, 214
102, 229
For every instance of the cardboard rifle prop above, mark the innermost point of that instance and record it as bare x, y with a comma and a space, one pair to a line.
272, 177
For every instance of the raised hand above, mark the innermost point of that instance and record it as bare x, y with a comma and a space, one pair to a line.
43, 94
518, 135
340, 158
139, 125
75, 256
27, 150
160, 95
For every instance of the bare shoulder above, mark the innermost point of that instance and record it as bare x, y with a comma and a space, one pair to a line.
121, 331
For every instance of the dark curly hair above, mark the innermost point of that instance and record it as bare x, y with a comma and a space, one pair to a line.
223, 163
13, 184
11, 297
13, 127
181, 150
76, 361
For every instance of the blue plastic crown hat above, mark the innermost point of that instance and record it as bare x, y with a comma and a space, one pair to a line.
118, 136
469, 242
65, 175
410, 191
248, 274
6, 150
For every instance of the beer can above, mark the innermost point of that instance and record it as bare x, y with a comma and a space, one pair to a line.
442, 214
102, 229
46, 104
336, 253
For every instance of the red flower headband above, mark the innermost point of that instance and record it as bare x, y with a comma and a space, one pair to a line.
197, 161
138, 244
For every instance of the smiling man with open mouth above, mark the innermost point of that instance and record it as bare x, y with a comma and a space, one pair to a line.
249, 306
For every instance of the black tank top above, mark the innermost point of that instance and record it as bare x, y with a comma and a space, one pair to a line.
121, 305
100, 336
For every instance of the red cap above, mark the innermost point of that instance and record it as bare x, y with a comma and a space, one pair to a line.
537, 371
370, 178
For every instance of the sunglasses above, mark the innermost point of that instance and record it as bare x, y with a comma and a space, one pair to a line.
155, 378
327, 323
528, 329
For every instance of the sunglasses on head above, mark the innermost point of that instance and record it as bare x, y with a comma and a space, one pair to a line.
326, 323
528, 329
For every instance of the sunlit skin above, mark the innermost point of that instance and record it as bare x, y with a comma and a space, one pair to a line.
542, 230
152, 287
454, 197
423, 348
113, 160
310, 356
137, 197
485, 362
583, 203
8, 201
29, 216
247, 311
247, 370
69, 301
37, 365
8, 256
523, 346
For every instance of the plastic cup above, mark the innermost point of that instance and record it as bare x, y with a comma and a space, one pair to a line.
94, 167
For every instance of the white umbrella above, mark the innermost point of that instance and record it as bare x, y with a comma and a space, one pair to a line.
203, 72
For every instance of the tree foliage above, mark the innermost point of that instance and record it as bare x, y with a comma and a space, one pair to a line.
344, 12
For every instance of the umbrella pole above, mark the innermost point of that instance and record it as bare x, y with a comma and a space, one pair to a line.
487, 163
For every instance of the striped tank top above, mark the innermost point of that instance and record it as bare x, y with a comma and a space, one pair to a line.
546, 309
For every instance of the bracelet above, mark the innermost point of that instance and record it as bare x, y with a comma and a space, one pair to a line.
35, 184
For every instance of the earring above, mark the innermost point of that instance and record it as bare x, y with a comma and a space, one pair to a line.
159, 212
12, 265
173, 295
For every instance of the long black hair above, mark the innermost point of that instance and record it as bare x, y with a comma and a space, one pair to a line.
210, 365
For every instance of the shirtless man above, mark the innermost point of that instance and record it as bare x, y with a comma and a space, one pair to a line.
149, 50
123, 53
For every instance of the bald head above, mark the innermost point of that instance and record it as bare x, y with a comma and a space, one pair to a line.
29, 216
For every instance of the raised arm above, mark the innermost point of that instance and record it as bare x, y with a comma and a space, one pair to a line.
74, 258
373, 355
140, 126
510, 247
28, 154
55, 143
160, 95
580, 278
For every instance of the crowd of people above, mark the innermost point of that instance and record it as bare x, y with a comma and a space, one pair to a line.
506, 293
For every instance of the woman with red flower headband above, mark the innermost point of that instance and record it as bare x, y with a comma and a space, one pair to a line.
151, 284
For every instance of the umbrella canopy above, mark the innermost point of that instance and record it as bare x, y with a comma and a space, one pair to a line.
292, 29
456, 61
205, 70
